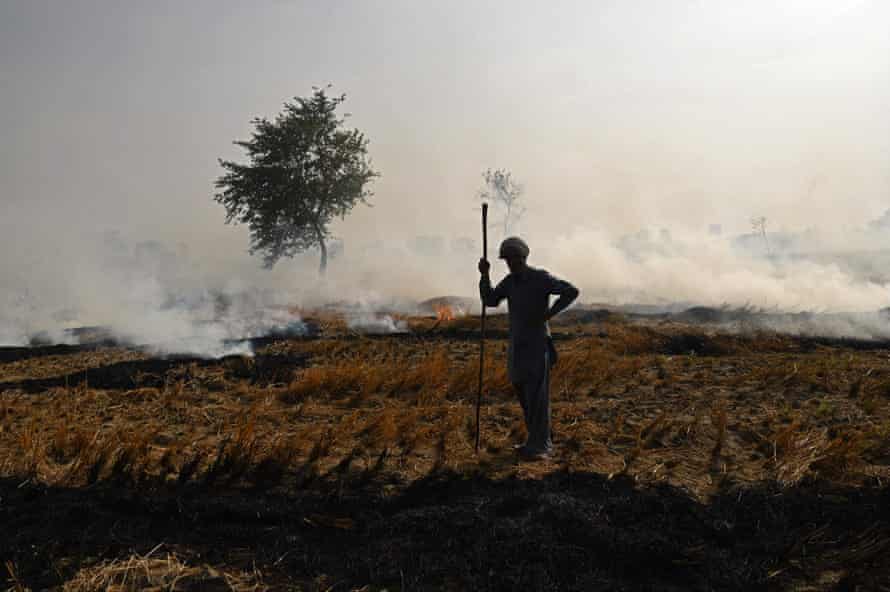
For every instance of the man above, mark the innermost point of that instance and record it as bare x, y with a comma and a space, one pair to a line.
529, 355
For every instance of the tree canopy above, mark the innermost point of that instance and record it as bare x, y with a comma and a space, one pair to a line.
304, 169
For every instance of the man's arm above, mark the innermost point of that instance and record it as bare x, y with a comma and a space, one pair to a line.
490, 296
566, 292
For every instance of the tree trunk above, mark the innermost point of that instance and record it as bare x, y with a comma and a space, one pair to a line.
323, 265
507, 221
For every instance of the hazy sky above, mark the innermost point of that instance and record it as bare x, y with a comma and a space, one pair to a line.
613, 114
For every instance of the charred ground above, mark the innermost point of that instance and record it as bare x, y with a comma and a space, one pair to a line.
686, 458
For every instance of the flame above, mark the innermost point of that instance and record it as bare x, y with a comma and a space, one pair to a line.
443, 312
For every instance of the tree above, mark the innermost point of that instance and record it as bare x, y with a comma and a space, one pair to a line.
501, 189
758, 225
305, 168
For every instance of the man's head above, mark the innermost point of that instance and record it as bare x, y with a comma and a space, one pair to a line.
515, 252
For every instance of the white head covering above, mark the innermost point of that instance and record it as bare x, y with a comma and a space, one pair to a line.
513, 247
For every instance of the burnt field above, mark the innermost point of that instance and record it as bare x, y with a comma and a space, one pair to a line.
685, 459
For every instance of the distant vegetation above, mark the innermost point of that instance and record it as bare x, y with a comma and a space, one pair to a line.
505, 193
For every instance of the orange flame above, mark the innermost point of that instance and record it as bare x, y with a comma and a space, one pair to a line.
443, 312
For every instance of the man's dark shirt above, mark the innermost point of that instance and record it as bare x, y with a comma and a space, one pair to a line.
528, 301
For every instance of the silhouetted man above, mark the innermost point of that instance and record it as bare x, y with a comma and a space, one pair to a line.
529, 356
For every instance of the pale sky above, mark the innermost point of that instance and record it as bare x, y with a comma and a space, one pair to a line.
611, 113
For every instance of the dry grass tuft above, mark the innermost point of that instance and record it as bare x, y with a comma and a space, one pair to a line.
168, 573
189, 468
590, 367
627, 340
430, 374
31, 449
652, 431
718, 421
17, 585
273, 463
840, 455
337, 380
234, 456
384, 428
425, 381
826, 452
464, 380
67, 444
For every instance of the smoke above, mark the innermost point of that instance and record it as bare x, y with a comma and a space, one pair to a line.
142, 293
165, 298
865, 325
709, 270
375, 324
170, 300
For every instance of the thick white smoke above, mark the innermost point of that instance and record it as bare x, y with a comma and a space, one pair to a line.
152, 294
708, 270
144, 293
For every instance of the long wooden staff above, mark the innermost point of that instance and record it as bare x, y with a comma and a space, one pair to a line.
482, 340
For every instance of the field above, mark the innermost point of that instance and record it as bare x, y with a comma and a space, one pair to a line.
685, 459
